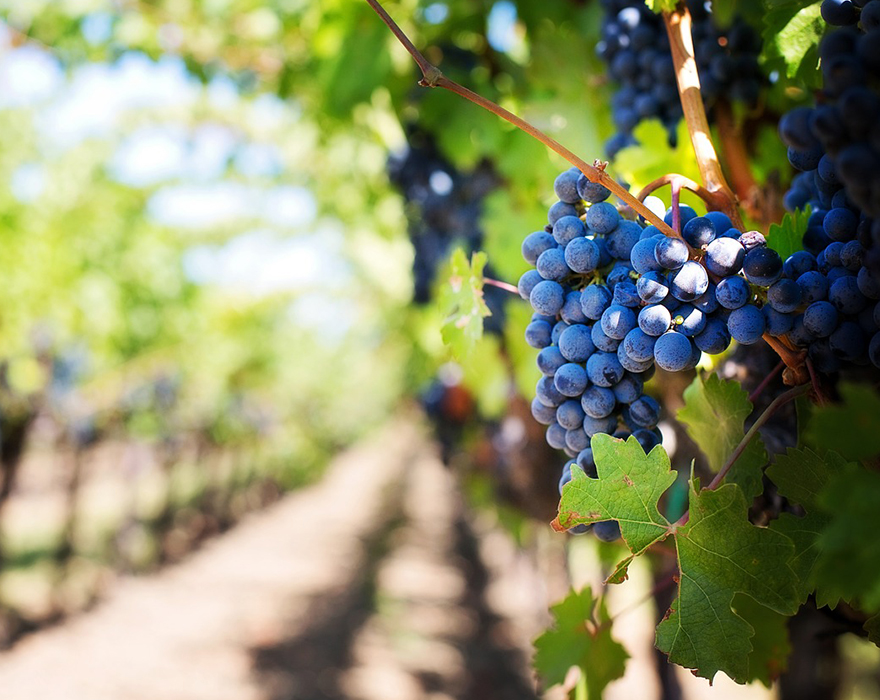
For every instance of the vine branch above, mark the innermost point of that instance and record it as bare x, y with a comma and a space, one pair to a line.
681, 44
433, 77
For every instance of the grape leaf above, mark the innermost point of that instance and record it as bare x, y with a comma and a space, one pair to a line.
713, 414
463, 303
580, 636
720, 554
800, 475
659, 6
788, 237
852, 427
770, 645
791, 31
629, 486
848, 560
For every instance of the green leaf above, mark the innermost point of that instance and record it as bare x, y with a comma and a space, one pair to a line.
771, 646
713, 414
659, 6
848, 561
462, 302
788, 237
791, 31
580, 636
800, 475
720, 554
852, 427
629, 486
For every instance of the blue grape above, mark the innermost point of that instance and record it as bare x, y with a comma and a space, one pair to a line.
547, 393
557, 331
549, 360
560, 209
622, 239
631, 365
602, 341
720, 219
626, 294
714, 338
686, 213
762, 266
655, 320
671, 253
538, 334
689, 282
628, 389
576, 440
556, 436
840, 224
566, 475
598, 402
603, 369
551, 265
724, 256
746, 324
699, 232
535, 244
689, 320
565, 186
619, 273
547, 297
591, 191
570, 379
851, 256
648, 439
653, 287
784, 296
607, 530
869, 283
545, 415
813, 285
576, 344
644, 412
707, 301
846, 296
617, 321
777, 322
820, 319
527, 283
733, 292
586, 462
642, 256
582, 255
639, 345
798, 263
594, 300
594, 426
672, 351
567, 229
571, 311
848, 342
602, 218
799, 334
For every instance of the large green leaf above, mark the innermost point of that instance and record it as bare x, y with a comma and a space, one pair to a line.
713, 414
580, 636
771, 646
720, 553
792, 29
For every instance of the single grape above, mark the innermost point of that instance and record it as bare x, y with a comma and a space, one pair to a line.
813, 285
689, 282
762, 266
655, 320
699, 232
689, 320
746, 324
565, 186
778, 322
820, 319
570, 379
644, 412
628, 389
551, 265
549, 360
672, 351
707, 302
556, 436
626, 294
733, 292
538, 334
560, 209
597, 402
591, 191
617, 321
603, 369
571, 311
557, 331
570, 415
535, 244
848, 342
642, 256
594, 300
607, 530
639, 345
547, 297
724, 256
582, 255
671, 253
594, 426
652, 287
527, 283
623, 238
714, 338
602, 217
647, 439
844, 293
545, 415
576, 440
784, 296
547, 393
602, 341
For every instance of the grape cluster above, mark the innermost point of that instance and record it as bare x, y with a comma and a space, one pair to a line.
442, 205
836, 144
635, 46
613, 299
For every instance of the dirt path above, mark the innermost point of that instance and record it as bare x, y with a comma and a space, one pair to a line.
367, 585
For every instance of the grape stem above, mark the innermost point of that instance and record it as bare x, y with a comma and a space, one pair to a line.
433, 77
765, 382
681, 43
684, 182
775, 405
506, 286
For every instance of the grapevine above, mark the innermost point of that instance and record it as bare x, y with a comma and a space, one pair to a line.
623, 287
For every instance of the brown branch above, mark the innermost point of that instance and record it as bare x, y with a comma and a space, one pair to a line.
681, 44
506, 286
686, 183
432, 77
